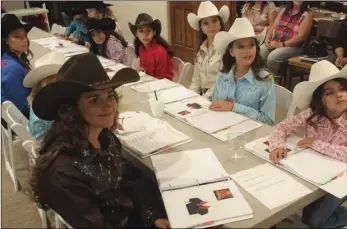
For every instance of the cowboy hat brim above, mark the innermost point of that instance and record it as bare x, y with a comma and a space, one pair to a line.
48, 100
193, 19
303, 91
38, 74
223, 39
155, 24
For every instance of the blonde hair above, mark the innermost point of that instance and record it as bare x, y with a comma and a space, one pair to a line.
44, 82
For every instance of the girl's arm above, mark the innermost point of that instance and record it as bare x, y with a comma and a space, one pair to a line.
196, 81
70, 29
274, 25
303, 33
287, 128
272, 13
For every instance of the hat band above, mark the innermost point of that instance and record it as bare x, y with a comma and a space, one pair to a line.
99, 83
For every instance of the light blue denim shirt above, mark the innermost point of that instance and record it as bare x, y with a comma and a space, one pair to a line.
252, 98
37, 126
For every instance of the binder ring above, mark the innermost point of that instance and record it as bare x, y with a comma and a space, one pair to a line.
197, 181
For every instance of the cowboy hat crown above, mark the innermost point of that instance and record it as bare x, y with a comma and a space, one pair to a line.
106, 24
242, 28
45, 66
10, 22
207, 9
144, 19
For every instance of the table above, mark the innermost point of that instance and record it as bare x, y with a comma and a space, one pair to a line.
31, 12
295, 62
263, 217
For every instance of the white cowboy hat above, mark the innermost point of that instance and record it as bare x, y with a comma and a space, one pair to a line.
320, 73
47, 65
242, 28
205, 10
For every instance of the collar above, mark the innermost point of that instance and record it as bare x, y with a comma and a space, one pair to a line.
203, 47
249, 75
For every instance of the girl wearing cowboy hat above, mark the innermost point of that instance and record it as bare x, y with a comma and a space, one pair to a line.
154, 52
14, 62
324, 123
99, 10
208, 62
80, 172
105, 41
77, 30
243, 85
44, 73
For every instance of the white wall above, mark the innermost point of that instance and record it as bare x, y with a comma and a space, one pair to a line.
127, 11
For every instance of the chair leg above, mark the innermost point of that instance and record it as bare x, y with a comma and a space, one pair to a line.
13, 172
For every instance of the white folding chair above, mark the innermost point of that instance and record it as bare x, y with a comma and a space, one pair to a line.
58, 29
14, 114
7, 148
284, 98
181, 69
133, 61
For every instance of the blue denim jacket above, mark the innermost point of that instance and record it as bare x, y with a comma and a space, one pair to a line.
252, 98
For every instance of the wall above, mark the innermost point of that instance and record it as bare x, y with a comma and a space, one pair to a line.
127, 11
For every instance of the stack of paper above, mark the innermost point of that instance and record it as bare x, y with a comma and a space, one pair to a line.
154, 86
314, 167
270, 185
155, 140
197, 191
174, 94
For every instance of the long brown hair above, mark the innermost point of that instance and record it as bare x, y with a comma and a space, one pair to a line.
203, 36
23, 60
258, 63
67, 134
317, 105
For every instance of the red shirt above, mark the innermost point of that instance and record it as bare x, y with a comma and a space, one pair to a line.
156, 61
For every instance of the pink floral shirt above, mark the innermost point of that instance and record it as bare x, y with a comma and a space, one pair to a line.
330, 140
116, 51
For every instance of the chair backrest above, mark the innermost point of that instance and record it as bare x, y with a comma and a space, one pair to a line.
284, 98
13, 114
31, 147
22, 132
133, 61
185, 72
58, 29
178, 65
60, 222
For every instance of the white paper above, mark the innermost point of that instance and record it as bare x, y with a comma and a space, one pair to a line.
149, 141
174, 94
242, 127
227, 209
213, 121
187, 168
154, 86
271, 186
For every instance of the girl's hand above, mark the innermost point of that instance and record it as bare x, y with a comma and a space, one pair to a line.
162, 223
275, 44
306, 142
221, 105
278, 154
267, 43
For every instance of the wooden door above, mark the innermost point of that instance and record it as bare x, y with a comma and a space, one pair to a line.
184, 39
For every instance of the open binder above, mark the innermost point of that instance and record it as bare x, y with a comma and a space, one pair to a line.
320, 170
197, 191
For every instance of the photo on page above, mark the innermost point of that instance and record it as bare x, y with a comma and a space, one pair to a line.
223, 194
197, 206
190, 106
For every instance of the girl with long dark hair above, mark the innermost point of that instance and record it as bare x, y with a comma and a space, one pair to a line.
208, 61
14, 62
80, 172
324, 122
154, 52
243, 85
105, 41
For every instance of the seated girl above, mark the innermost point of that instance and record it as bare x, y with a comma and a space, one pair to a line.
243, 85
105, 41
77, 30
44, 73
286, 36
154, 52
208, 61
80, 172
324, 123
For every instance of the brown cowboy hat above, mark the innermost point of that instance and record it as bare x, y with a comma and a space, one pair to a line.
81, 73
104, 24
145, 19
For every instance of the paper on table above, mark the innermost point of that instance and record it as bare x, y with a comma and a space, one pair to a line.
154, 86
149, 141
187, 107
174, 94
187, 168
242, 127
213, 121
270, 185
229, 208
321, 170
